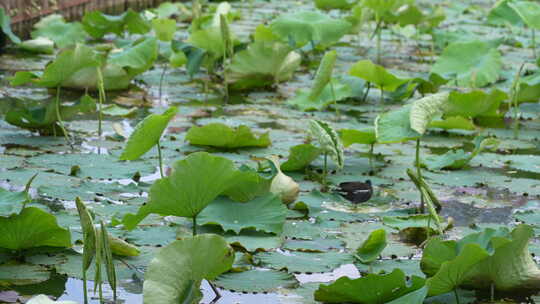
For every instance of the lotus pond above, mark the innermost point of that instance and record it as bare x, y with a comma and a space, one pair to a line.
207, 152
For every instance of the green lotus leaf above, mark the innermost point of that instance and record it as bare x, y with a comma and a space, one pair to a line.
39, 45
30, 228
175, 273
262, 64
55, 28
331, 93
471, 64
309, 27
475, 103
501, 14
372, 247
453, 122
147, 134
334, 4
364, 136
164, 28
300, 156
98, 24
222, 136
370, 289
528, 11
377, 75
394, 126
457, 159
193, 184
266, 213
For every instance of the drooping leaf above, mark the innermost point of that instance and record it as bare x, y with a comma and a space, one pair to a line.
137, 58
30, 228
453, 122
193, 184
5, 26
175, 274
377, 75
309, 27
370, 289
249, 185
372, 247
262, 64
222, 136
328, 139
323, 74
472, 64
424, 110
300, 156
266, 213
209, 39
89, 234
394, 126
147, 134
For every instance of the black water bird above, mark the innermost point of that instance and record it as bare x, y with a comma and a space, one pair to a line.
356, 192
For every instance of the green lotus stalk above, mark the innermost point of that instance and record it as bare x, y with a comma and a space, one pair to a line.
102, 99
228, 51
514, 102
89, 242
59, 117
419, 173
109, 262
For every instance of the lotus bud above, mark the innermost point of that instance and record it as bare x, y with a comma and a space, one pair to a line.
282, 185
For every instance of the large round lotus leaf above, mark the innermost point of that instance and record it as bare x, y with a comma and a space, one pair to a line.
266, 213
222, 136
175, 274
194, 183
256, 280
372, 288
303, 261
472, 64
32, 227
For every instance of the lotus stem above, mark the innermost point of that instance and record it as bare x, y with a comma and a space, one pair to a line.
379, 34
160, 159
325, 171
534, 43
514, 102
366, 92
492, 292
334, 100
102, 97
85, 287
59, 117
194, 228
371, 148
161, 78
457, 296
419, 173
